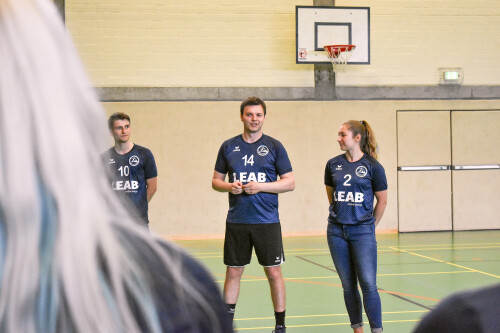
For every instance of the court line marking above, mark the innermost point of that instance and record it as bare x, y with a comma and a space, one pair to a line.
405, 297
449, 263
451, 248
401, 296
381, 249
408, 247
262, 278
442, 244
382, 246
447, 244
423, 273
317, 264
331, 315
320, 325
439, 246
385, 274
392, 293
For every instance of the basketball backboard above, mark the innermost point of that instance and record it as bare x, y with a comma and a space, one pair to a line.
319, 26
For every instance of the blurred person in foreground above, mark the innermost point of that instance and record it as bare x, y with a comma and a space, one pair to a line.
476, 310
71, 257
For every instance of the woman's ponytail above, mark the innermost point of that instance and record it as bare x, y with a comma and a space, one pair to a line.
368, 143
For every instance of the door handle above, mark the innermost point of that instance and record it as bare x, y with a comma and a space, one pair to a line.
476, 167
449, 167
424, 168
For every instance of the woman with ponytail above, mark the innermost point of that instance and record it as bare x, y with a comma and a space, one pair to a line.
71, 257
354, 181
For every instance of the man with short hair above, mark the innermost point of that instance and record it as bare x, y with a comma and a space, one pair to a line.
253, 162
132, 168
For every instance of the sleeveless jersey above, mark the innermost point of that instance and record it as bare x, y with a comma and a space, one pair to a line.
128, 174
353, 186
261, 161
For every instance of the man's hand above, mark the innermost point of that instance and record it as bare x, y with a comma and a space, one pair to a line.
252, 188
219, 184
236, 187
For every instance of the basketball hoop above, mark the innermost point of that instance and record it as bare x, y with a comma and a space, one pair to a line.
339, 56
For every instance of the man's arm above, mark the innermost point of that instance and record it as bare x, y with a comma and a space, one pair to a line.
219, 184
151, 186
284, 184
378, 211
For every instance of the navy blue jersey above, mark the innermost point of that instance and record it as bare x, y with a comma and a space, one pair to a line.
262, 161
128, 174
353, 186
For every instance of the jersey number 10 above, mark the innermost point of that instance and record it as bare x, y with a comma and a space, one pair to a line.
124, 171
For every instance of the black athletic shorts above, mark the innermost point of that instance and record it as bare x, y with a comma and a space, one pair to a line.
265, 238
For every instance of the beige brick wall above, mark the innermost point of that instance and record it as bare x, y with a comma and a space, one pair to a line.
411, 39
185, 138
221, 43
187, 43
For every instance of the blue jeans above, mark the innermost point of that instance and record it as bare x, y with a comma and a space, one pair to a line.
354, 253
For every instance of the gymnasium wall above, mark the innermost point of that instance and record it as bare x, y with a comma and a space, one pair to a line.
185, 138
221, 43
198, 59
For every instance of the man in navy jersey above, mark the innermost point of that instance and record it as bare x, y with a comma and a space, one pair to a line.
132, 168
258, 169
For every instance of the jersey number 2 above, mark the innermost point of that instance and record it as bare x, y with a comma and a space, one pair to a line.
346, 183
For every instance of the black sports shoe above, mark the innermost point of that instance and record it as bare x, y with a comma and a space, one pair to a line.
279, 329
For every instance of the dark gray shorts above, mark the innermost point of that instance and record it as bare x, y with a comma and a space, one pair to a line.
242, 238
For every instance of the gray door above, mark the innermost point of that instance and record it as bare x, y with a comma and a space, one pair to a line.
448, 170
476, 173
424, 178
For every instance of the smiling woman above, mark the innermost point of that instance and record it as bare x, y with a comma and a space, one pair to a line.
353, 181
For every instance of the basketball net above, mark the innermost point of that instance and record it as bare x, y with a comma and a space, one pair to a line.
339, 56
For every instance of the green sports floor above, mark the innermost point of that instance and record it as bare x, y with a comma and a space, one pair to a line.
415, 272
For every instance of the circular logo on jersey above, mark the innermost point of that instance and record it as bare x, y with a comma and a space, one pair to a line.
133, 160
262, 150
361, 171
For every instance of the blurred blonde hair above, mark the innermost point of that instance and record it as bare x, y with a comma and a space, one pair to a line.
68, 262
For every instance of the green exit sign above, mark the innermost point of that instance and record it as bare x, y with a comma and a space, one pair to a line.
451, 75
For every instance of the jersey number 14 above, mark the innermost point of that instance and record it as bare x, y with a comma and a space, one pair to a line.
248, 160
